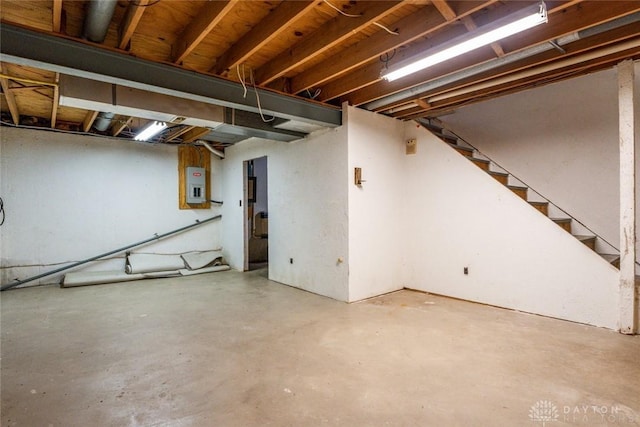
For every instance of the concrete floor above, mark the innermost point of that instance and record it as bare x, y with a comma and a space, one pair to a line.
232, 349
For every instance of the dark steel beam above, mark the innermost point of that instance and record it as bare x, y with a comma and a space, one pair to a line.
247, 125
30, 48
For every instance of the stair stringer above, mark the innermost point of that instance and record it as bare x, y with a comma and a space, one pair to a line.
517, 258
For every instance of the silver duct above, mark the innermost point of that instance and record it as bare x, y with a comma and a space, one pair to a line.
96, 25
103, 121
98, 18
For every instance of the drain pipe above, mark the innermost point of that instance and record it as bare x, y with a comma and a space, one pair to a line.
115, 251
98, 18
505, 60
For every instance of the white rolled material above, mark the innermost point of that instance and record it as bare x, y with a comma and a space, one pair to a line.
186, 272
196, 260
150, 266
148, 263
82, 278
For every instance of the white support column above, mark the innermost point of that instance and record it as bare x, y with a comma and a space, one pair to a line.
627, 196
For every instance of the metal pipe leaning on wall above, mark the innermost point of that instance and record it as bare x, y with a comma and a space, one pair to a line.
115, 251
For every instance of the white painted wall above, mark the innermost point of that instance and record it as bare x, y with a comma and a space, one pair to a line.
517, 257
69, 197
562, 140
416, 222
376, 214
307, 210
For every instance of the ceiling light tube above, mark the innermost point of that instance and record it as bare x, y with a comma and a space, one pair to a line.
483, 36
150, 131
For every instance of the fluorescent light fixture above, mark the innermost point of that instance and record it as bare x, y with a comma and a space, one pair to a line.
483, 36
150, 131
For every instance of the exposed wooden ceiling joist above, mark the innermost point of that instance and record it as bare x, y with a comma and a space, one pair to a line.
56, 102
538, 80
208, 17
88, 120
194, 134
577, 47
365, 76
57, 16
8, 95
177, 132
426, 21
120, 124
571, 19
328, 36
445, 9
449, 14
471, 25
131, 19
371, 72
283, 16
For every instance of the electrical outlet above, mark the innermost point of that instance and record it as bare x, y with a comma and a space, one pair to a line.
466, 270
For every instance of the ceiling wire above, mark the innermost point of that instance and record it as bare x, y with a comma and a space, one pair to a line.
385, 58
349, 15
255, 88
243, 80
315, 94
395, 33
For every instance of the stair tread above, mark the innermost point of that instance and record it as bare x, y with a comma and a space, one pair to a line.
538, 203
583, 237
445, 136
475, 159
517, 187
498, 173
432, 127
610, 257
470, 150
560, 219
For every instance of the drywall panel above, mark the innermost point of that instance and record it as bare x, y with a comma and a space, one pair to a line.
69, 197
376, 216
517, 258
307, 210
562, 140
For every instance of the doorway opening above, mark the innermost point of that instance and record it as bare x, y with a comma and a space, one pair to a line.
256, 214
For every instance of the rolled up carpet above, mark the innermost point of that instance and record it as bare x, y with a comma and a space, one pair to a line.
148, 263
82, 278
186, 272
196, 260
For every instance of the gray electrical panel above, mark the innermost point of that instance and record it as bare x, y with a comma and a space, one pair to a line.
196, 181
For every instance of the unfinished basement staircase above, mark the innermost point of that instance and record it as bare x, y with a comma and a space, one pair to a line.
536, 200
